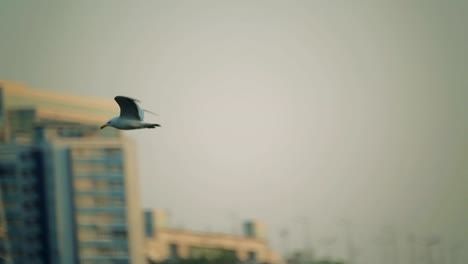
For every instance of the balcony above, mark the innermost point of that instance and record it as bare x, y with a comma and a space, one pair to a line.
109, 193
113, 226
107, 259
107, 243
119, 226
107, 210
103, 160
100, 176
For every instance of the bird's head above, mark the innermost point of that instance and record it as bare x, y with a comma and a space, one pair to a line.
111, 122
106, 124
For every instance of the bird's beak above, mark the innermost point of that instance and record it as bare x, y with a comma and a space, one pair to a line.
103, 126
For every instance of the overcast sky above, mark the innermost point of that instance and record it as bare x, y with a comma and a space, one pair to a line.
276, 110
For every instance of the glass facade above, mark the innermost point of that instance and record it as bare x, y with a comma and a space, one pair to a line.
21, 176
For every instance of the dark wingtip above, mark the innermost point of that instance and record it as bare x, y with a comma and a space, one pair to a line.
126, 97
152, 125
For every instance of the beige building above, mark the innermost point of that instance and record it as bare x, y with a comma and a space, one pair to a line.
165, 243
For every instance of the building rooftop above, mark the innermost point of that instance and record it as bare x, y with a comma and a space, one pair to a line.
55, 105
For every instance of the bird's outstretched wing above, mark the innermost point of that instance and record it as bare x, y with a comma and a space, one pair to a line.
129, 108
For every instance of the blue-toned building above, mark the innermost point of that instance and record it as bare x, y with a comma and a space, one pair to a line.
22, 185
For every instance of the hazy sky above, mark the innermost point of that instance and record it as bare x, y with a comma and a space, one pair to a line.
274, 110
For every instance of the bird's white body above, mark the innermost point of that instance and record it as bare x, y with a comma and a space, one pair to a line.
127, 124
131, 115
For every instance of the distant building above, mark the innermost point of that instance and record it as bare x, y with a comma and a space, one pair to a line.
154, 220
81, 200
171, 244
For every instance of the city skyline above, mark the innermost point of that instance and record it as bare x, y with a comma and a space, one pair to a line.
275, 110
71, 191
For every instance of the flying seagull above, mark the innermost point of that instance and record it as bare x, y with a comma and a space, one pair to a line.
131, 115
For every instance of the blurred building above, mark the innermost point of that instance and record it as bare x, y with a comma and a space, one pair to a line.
71, 184
164, 243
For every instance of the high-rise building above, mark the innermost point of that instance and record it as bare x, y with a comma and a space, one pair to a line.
88, 183
101, 196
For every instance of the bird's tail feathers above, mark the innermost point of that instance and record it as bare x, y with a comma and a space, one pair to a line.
148, 125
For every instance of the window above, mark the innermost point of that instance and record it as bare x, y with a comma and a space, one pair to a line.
173, 251
6, 169
252, 256
113, 151
9, 188
25, 172
119, 234
23, 156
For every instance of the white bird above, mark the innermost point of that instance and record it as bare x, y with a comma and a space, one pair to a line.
131, 115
